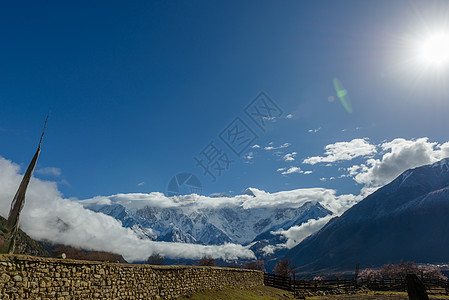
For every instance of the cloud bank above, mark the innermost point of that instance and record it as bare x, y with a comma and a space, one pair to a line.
398, 156
48, 216
297, 234
343, 151
291, 199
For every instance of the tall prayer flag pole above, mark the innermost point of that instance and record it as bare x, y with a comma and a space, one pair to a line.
19, 199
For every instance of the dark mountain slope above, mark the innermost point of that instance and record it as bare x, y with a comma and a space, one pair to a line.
24, 244
407, 219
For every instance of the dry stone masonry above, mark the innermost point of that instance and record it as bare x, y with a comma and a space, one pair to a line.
28, 277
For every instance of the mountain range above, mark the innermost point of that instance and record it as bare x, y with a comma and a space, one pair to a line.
407, 219
404, 220
246, 219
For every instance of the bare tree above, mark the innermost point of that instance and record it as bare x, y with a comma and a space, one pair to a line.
257, 265
282, 268
207, 261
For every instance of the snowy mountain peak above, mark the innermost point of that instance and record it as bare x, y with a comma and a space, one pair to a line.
249, 192
214, 220
443, 164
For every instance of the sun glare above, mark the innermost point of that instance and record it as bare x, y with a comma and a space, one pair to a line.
435, 50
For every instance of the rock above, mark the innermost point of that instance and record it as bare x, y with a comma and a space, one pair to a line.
45, 278
4, 277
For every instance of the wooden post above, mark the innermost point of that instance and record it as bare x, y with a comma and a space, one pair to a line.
294, 283
415, 288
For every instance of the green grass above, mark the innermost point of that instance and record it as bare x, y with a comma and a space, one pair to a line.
255, 293
270, 293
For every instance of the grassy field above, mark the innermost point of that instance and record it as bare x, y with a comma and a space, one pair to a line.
270, 293
255, 293
373, 296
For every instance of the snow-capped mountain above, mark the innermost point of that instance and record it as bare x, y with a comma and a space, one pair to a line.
213, 226
404, 220
128, 219
267, 238
246, 219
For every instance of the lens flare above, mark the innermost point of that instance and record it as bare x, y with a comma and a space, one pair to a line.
342, 94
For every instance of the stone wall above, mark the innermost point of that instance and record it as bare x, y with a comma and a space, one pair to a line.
27, 277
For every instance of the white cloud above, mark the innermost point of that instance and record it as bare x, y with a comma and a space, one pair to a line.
399, 155
49, 171
297, 234
314, 130
289, 116
141, 183
289, 156
278, 153
296, 198
46, 215
270, 249
269, 118
64, 182
248, 157
255, 146
292, 170
268, 148
343, 151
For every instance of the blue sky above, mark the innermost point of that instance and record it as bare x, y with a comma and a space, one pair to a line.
137, 90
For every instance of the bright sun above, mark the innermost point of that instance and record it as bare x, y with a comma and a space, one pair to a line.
435, 50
